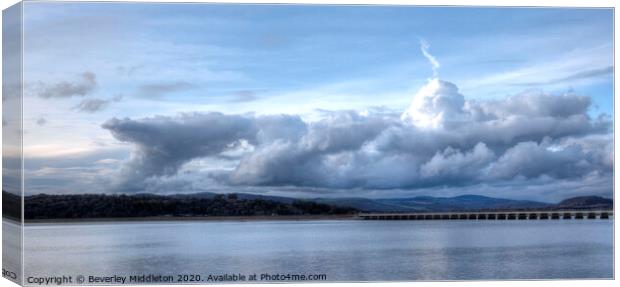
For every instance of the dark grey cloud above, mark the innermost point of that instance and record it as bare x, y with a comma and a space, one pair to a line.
82, 86
163, 144
538, 104
452, 165
442, 140
96, 105
531, 160
92, 105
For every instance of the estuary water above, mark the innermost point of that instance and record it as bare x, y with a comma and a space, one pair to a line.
341, 250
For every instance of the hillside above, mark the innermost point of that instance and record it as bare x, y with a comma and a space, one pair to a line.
147, 205
586, 202
11, 205
429, 203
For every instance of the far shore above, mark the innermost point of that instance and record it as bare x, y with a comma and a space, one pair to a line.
192, 218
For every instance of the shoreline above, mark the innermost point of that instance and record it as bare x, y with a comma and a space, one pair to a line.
190, 218
522, 215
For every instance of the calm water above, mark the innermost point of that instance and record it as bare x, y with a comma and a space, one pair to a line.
347, 250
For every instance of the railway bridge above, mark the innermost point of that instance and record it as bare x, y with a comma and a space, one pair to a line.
493, 215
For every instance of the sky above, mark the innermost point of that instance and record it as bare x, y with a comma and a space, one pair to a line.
318, 101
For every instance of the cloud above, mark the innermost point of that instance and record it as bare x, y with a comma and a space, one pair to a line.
11, 91
96, 105
578, 76
455, 165
128, 70
244, 96
92, 105
438, 103
107, 161
164, 144
159, 90
538, 104
532, 159
41, 121
81, 87
424, 46
441, 140
586, 74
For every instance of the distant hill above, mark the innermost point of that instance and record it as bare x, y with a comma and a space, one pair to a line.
586, 202
463, 202
365, 204
244, 196
429, 203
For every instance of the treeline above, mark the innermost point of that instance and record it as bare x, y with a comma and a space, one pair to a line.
11, 206
122, 206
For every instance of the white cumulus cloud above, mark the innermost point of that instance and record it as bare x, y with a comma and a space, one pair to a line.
441, 140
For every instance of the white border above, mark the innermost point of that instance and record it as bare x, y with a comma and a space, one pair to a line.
503, 3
